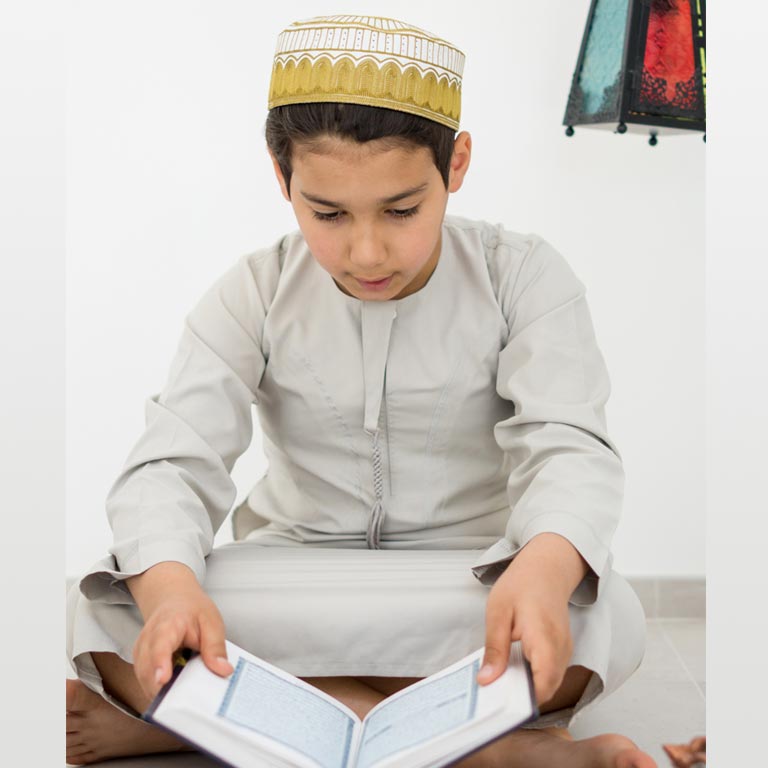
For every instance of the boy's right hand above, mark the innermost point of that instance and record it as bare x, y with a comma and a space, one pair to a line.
177, 614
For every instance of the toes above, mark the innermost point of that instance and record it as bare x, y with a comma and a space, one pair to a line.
75, 722
620, 752
634, 758
75, 740
80, 757
622, 742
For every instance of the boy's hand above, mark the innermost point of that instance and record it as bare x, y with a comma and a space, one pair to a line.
527, 605
529, 613
177, 615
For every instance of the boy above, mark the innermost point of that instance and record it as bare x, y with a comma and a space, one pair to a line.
423, 382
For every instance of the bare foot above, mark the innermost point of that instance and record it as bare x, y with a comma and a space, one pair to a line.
686, 755
96, 730
551, 748
620, 752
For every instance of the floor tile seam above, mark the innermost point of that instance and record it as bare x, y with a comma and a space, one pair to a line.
680, 620
670, 642
667, 667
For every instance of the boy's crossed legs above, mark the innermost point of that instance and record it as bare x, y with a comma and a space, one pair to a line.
96, 730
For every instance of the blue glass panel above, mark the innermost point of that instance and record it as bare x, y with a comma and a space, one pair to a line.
603, 54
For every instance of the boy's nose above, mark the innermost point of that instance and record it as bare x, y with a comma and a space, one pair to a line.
368, 253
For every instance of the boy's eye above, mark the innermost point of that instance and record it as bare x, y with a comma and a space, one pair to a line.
326, 216
404, 213
396, 213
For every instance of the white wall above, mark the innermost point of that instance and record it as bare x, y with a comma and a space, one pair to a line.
169, 183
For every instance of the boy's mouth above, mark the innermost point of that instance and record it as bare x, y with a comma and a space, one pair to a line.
375, 284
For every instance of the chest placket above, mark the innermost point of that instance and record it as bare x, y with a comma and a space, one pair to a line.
377, 319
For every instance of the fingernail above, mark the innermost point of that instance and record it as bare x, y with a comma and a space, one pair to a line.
486, 671
158, 674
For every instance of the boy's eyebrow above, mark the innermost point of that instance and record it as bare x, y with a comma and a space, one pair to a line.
383, 200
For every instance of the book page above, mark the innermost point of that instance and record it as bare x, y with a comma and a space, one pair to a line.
414, 716
268, 704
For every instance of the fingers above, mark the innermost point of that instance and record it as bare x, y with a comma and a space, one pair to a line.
498, 637
154, 650
196, 625
212, 646
546, 669
549, 649
545, 639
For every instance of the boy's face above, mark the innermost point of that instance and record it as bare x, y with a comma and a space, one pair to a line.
340, 198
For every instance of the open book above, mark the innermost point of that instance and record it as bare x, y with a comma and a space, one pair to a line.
262, 715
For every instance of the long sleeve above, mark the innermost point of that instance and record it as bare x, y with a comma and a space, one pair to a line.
175, 488
567, 475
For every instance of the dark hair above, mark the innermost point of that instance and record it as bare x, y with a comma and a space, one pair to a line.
304, 123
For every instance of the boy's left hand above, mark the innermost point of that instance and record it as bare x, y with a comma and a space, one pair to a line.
527, 605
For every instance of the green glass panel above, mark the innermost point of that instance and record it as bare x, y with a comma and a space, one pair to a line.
603, 55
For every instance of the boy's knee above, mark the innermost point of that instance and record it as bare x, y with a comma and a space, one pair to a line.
629, 621
627, 629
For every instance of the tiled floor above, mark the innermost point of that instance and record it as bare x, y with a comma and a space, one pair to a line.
664, 701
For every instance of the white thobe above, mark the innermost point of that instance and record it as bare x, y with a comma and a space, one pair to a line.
466, 417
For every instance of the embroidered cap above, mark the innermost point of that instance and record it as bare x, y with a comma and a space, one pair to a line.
369, 60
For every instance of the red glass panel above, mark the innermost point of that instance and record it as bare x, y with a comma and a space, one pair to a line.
668, 66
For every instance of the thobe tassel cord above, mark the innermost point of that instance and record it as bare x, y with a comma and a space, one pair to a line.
377, 511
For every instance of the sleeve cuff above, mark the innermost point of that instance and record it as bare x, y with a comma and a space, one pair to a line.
105, 580
493, 562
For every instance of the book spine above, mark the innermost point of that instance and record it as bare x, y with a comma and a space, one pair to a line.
179, 661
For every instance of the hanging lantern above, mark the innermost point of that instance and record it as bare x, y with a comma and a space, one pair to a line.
641, 68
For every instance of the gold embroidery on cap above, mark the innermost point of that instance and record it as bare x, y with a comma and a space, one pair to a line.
366, 82
370, 60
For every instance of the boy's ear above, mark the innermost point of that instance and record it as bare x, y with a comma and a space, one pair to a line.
280, 177
462, 153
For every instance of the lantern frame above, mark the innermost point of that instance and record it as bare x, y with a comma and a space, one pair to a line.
622, 95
